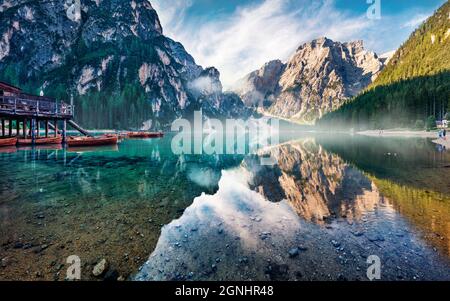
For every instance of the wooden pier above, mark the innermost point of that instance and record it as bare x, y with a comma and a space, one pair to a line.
27, 115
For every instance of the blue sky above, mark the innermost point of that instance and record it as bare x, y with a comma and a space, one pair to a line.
238, 36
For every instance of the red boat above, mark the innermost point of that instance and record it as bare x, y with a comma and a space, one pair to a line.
92, 141
145, 134
8, 141
40, 141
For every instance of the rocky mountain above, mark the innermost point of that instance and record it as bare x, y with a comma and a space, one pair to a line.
316, 80
386, 57
112, 58
413, 90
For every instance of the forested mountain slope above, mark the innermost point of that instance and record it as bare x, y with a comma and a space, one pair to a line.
414, 86
113, 60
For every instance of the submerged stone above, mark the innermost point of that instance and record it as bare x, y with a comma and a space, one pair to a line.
294, 252
100, 268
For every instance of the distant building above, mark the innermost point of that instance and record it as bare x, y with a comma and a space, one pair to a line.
442, 124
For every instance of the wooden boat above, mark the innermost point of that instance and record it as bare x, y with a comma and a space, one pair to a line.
92, 141
145, 134
8, 141
40, 141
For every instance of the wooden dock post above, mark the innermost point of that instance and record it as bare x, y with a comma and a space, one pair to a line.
38, 128
17, 128
25, 121
10, 128
46, 128
3, 127
33, 131
64, 131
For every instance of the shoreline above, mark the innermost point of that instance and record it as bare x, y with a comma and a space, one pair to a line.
442, 142
408, 134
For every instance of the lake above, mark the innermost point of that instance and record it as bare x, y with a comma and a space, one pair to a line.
327, 205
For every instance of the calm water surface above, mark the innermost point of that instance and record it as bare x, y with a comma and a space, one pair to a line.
328, 204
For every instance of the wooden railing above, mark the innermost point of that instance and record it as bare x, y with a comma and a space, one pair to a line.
21, 105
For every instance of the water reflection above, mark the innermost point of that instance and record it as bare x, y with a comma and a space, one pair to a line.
412, 173
310, 217
317, 184
96, 203
106, 148
316, 215
412, 162
8, 149
427, 211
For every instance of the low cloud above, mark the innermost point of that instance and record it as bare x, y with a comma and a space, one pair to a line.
205, 85
415, 21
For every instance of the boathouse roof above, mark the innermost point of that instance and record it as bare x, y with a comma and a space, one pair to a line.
9, 88
6, 87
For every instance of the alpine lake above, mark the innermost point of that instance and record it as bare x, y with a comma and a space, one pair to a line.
329, 203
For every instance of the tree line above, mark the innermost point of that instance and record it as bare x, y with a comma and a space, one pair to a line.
412, 103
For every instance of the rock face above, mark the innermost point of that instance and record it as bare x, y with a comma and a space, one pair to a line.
317, 79
111, 56
257, 88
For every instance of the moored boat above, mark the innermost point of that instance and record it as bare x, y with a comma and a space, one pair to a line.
8, 141
40, 141
92, 141
145, 134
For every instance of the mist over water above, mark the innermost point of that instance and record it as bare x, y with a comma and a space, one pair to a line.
313, 216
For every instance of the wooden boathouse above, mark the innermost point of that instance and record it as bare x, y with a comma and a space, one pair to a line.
29, 114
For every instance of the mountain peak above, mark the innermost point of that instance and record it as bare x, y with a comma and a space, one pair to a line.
319, 42
357, 45
114, 60
315, 80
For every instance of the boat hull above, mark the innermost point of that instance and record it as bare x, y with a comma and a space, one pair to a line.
40, 141
92, 141
8, 142
145, 135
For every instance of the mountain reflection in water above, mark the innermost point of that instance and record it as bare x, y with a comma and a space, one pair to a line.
313, 216
328, 204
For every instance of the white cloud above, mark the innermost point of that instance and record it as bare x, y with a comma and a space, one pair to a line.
254, 34
206, 85
172, 14
415, 21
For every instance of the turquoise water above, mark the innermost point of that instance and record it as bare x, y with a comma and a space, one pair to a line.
328, 204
